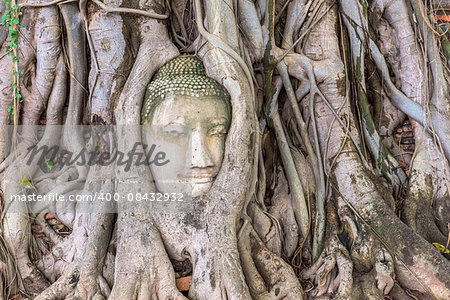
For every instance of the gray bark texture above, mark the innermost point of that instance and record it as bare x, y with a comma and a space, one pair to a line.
317, 196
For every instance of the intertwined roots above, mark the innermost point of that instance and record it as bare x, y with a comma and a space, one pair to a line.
312, 160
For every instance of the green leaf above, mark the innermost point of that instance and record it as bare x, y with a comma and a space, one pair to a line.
49, 163
441, 248
10, 108
16, 21
26, 183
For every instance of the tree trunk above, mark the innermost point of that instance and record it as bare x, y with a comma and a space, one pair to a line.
323, 191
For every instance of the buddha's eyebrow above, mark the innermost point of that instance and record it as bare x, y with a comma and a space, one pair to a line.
178, 121
174, 123
218, 121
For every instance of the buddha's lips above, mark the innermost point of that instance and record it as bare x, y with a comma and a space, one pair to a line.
196, 178
203, 179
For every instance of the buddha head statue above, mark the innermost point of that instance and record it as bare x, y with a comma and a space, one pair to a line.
189, 115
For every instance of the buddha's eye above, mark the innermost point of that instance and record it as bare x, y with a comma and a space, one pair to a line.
219, 130
174, 131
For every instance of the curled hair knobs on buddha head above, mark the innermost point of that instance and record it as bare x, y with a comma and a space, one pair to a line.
182, 76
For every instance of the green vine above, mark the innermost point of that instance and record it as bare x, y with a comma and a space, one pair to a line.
11, 19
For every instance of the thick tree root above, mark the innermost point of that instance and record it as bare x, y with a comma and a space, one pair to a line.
143, 269
332, 271
267, 275
62, 286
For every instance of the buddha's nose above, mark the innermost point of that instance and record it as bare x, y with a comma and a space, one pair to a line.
201, 157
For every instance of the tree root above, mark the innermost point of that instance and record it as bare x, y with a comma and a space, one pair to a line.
268, 276
130, 11
428, 171
332, 271
6, 92
72, 136
99, 233
282, 210
351, 180
365, 288
107, 78
384, 269
297, 194
428, 181
139, 275
62, 286
251, 27
398, 293
91, 232
385, 162
11, 185
230, 260
142, 267
268, 228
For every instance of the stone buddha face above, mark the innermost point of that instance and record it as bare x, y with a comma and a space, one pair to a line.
189, 121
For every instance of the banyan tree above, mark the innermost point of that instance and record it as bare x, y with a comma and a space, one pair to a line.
291, 149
